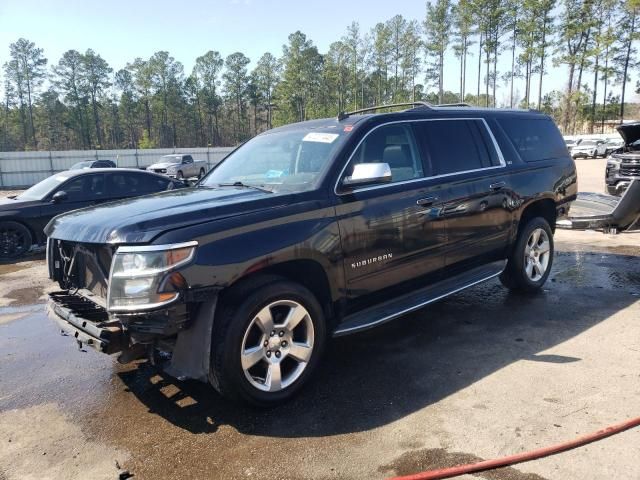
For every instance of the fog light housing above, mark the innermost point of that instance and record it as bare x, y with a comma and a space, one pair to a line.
139, 276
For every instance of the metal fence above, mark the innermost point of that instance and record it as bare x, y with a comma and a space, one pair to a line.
23, 169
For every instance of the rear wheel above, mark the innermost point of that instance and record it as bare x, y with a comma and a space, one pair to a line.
529, 264
267, 342
15, 240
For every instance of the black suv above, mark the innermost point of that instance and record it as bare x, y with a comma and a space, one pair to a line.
623, 165
317, 229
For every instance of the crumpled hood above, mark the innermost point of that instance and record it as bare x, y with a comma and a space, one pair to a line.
141, 219
630, 132
163, 165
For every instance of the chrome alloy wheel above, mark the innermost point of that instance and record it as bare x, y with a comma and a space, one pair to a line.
277, 345
536, 254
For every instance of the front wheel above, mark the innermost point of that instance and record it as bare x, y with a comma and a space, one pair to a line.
179, 175
201, 173
529, 264
267, 343
15, 240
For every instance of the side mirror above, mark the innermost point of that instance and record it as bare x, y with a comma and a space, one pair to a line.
368, 174
60, 196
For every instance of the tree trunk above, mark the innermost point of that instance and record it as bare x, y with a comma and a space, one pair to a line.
96, 119
566, 113
542, 54
513, 63
479, 67
595, 95
626, 65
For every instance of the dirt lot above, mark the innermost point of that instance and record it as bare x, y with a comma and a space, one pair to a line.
479, 375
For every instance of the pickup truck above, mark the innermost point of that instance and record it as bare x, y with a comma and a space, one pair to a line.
623, 166
179, 166
312, 230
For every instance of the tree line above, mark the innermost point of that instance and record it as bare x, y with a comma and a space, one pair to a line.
80, 102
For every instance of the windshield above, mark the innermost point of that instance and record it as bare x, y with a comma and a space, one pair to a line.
171, 159
587, 143
42, 189
81, 165
291, 160
570, 142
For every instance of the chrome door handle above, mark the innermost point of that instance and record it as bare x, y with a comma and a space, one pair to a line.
425, 202
497, 185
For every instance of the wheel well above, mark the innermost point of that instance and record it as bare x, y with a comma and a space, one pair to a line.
34, 237
307, 273
545, 208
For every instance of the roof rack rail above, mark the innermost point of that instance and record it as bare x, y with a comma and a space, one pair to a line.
457, 104
343, 115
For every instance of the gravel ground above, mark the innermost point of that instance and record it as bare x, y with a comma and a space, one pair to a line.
482, 374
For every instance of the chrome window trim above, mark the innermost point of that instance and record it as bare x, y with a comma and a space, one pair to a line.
444, 175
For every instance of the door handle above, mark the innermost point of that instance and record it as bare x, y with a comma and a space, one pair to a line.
425, 202
497, 185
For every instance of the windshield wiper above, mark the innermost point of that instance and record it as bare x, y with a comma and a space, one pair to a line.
245, 185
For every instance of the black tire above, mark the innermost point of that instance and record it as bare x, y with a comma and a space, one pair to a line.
15, 240
233, 322
179, 175
201, 173
612, 191
515, 276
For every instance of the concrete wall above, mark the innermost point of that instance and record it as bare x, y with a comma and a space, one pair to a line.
23, 169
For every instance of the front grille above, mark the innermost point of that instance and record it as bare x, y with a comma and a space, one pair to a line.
630, 170
84, 266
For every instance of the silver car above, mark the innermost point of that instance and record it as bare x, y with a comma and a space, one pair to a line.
179, 166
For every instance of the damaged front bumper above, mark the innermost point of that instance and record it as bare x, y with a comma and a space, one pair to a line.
87, 322
183, 332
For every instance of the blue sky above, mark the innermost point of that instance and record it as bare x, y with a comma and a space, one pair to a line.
122, 30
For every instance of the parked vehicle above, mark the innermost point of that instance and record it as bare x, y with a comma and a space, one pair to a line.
571, 142
317, 229
589, 148
24, 216
613, 144
93, 164
624, 163
180, 166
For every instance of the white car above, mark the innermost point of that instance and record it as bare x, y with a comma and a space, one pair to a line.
613, 144
590, 148
179, 166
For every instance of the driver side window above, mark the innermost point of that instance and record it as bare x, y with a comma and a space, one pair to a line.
392, 144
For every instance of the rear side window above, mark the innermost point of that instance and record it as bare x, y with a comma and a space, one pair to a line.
535, 139
456, 145
151, 183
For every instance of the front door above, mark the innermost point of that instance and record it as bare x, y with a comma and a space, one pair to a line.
390, 233
82, 191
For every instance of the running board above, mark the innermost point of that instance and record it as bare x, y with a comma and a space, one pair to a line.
392, 309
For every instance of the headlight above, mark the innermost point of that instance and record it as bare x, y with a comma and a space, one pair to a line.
171, 169
141, 277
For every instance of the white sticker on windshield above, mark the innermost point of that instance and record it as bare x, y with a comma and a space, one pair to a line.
320, 137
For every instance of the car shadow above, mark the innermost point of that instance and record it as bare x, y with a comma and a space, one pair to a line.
376, 377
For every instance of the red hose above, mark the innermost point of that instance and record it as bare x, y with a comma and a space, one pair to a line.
522, 457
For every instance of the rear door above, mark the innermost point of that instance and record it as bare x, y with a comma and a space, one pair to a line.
390, 233
477, 210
